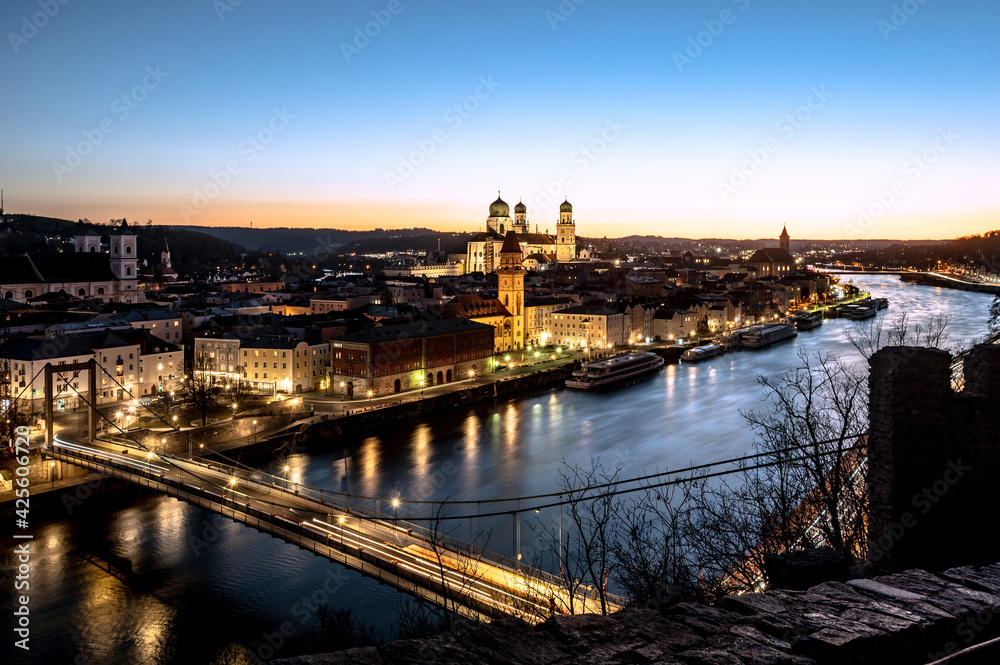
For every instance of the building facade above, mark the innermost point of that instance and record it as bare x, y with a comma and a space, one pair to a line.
390, 359
483, 250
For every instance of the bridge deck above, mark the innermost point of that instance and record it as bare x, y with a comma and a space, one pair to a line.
465, 579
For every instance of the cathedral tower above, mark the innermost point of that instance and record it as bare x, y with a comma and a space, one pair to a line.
565, 234
783, 240
521, 217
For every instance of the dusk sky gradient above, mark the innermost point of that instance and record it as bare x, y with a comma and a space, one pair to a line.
332, 134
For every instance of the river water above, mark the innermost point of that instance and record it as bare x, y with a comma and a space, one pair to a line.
202, 584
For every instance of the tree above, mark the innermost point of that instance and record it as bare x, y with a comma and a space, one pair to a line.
871, 335
807, 488
587, 548
238, 389
201, 386
652, 558
457, 572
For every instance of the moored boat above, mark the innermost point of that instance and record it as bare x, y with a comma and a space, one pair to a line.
699, 353
614, 371
768, 335
808, 320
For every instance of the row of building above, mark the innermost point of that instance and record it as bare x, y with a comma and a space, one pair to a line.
374, 335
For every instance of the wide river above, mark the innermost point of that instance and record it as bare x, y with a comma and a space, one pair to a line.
202, 583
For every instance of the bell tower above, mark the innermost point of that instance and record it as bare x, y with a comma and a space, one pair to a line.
124, 261
784, 240
510, 291
565, 233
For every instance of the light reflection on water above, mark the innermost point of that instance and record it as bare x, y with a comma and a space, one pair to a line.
242, 584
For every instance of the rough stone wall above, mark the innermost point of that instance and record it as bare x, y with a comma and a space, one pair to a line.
905, 618
934, 458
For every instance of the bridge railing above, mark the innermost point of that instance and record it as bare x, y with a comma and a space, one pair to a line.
445, 542
289, 531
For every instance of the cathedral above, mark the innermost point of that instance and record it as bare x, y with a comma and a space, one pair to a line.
536, 248
85, 273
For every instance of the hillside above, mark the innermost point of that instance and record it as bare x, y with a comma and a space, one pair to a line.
309, 241
190, 250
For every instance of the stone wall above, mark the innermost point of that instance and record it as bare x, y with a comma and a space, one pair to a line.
934, 458
906, 618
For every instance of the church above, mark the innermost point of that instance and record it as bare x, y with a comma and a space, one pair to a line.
773, 261
536, 248
85, 273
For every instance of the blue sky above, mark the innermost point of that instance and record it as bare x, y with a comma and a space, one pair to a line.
671, 118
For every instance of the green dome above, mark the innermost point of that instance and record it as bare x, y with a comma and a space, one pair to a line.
499, 208
566, 206
520, 208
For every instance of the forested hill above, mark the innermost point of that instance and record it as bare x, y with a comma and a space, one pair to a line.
190, 250
291, 241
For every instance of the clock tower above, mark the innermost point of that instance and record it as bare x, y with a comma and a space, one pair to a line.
510, 282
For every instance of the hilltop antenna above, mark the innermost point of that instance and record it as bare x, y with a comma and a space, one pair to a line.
1, 203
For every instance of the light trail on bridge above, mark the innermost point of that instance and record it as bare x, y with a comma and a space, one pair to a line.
472, 582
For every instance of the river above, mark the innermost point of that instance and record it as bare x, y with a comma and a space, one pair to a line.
202, 583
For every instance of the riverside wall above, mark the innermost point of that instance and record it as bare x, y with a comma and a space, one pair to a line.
333, 429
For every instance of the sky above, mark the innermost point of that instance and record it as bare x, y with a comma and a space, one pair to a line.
715, 118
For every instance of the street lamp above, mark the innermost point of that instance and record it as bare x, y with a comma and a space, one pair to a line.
255, 431
342, 519
370, 393
395, 533
52, 474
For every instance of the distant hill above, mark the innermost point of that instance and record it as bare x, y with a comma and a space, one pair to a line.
291, 241
190, 250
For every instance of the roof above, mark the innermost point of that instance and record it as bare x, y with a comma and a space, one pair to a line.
271, 342
537, 239
510, 244
67, 346
72, 266
472, 305
413, 331
771, 255
587, 309
123, 230
18, 270
148, 343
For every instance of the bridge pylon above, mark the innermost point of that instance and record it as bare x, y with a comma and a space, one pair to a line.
90, 366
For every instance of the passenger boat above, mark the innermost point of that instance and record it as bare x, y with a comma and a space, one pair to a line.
861, 312
699, 353
614, 371
808, 320
768, 335
880, 303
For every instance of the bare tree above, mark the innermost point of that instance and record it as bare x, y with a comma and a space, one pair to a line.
201, 386
807, 488
457, 572
592, 523
653, 561
821, 407
871, 335
238, 389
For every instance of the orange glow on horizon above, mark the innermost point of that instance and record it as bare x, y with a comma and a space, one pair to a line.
360, 216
